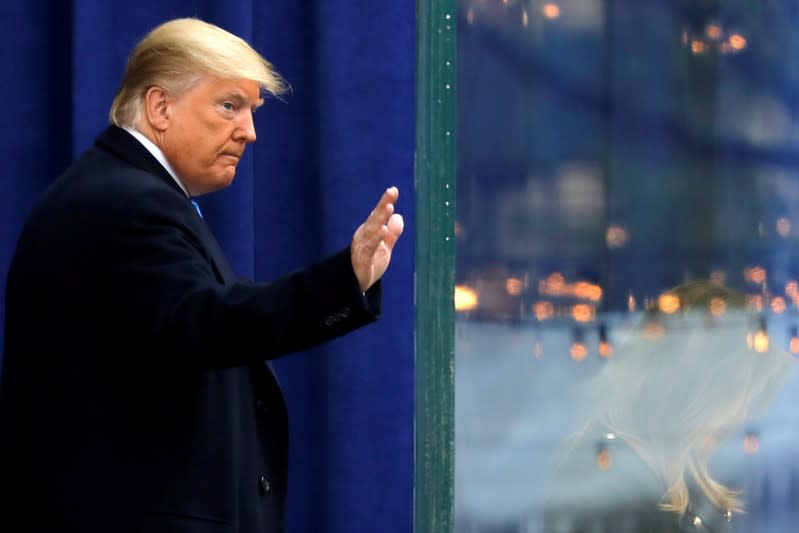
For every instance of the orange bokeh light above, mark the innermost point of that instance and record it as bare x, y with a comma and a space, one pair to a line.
583, 313
717, 306
737, 41
792, 289
605, 349
603, 460
513, 286
551, 10
760, 342
756, 274
555, 285
755, 301
616, 236
669, 303
465, 298
713, 31
578, 351
543, 310
588, 291
697, 46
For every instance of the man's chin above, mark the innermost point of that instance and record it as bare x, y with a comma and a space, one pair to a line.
226, 178
231, 175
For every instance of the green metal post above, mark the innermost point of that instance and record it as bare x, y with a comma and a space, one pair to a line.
435, 267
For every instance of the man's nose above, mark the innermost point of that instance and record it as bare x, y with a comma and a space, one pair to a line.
246, 128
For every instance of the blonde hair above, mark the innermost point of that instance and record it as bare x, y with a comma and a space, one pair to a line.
681, 384
178, 53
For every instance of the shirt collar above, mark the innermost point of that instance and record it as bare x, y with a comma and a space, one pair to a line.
157, 153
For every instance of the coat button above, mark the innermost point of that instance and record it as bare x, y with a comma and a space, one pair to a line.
263, 484
261, 406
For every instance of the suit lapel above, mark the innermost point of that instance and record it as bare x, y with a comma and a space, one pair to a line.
122, 144
126, 147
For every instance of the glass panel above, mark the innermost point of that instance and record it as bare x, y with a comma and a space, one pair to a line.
627, 266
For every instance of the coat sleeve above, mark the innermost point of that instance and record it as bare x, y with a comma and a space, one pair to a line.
168, 290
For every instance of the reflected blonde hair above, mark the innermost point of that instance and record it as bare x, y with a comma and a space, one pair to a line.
177, 54
681, 384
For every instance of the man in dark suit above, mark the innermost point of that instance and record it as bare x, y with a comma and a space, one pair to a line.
134, 394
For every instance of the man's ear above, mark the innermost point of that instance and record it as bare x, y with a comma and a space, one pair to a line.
157, 110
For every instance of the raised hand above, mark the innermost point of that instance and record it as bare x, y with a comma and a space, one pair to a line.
374, 240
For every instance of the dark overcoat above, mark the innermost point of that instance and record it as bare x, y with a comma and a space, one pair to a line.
134, 393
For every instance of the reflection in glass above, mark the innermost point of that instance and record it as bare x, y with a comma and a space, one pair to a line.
660, 410
628, 262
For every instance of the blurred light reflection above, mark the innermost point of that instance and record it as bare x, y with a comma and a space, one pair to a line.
755, 302
751, 442
760, 341
603, 459
669, 303
555, 285
465, 298
713, 32
756, 274
513, 286
550, 10
737, 41
783, 227
792, 289
653, 330
583, 313
697, 47
578, 351
616, 236
717, 306
793, 346
543, 310
605, 348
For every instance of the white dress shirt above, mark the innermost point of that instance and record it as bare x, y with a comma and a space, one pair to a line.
157, 153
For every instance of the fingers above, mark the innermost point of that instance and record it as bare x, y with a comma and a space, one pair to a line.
379, 227
380, 214
382, 227
372, 240
387, 234
384, 208
391, 194
394, 228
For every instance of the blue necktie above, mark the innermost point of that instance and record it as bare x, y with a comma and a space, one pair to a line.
197, 208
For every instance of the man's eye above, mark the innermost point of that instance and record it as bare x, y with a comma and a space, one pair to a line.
229, 106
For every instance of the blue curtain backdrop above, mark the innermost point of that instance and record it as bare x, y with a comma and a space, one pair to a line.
323, 157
